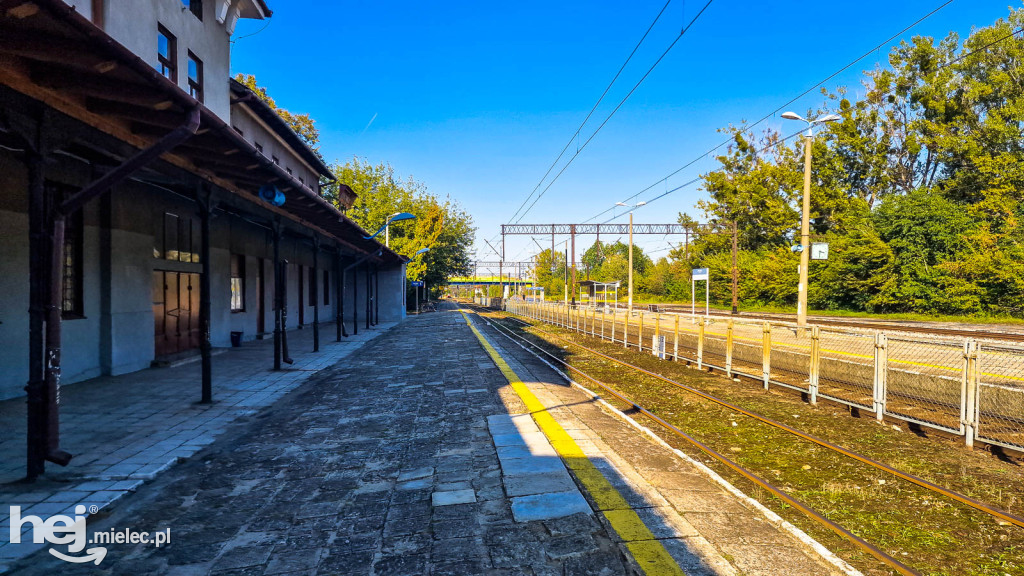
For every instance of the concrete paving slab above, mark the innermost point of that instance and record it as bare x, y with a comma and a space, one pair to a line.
549, 505
449, 498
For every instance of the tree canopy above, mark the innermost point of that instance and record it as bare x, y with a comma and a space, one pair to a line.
917, 190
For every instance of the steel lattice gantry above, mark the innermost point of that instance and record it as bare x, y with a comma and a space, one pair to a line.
572, 230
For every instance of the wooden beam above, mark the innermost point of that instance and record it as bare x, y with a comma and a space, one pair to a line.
42, 47
142, 114
99, 87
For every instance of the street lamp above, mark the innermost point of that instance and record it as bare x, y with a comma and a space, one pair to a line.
805, 221
629, 304
387, 232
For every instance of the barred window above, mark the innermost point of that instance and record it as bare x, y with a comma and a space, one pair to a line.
238, 283
72, 294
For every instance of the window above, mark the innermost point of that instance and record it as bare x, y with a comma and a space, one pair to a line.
275, 160
181, 236
259, 147
194, 6
195, 76
72, 297
238, 283
327, 287
167, 53
289, 171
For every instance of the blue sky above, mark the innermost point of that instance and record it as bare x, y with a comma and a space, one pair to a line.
476, 99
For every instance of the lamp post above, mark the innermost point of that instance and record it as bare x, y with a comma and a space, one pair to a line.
385, 228
629, 304
805, 252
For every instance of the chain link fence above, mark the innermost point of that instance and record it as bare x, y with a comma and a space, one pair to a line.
959, 385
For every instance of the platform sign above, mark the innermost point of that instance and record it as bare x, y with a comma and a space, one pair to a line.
819, 251
417, 284
698, 274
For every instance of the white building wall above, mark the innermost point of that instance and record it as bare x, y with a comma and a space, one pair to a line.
133, 23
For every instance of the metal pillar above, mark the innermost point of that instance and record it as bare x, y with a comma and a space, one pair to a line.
572, 234
204, 200
369, 296
339, 280
316, 293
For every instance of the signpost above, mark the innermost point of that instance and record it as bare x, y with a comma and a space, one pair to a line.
417, 284
695, 275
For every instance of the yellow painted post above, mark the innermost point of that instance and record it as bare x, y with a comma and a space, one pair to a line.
766, 354
700, 343
675, 345
728, 348
815, 364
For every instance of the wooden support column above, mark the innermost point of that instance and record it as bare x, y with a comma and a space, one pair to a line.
376, 296
355, 300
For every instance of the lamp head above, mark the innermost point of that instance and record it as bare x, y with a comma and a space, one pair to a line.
641, 203
621, 204
828, 118
793, 116
401, 216
421, 251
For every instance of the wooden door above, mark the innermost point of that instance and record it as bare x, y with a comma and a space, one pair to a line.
175, 312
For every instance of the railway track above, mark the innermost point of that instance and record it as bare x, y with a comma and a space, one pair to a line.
513, 328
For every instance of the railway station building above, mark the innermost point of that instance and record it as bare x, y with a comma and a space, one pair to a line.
152, 208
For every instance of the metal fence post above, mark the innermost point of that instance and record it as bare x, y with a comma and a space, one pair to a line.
728, 348
700, 344
814, 367
881, 374
969, 405
625, 331
657, 333
675, 346
766, 355
640, 334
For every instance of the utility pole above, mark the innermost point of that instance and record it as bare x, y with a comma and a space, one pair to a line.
735, 268
629, 306
805, 233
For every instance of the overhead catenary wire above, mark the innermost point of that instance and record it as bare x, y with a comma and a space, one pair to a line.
783, 106
592, 109
617, 107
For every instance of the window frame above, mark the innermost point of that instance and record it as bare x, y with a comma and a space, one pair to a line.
195, 87
167, 63
195, 7
73, 304
237, 273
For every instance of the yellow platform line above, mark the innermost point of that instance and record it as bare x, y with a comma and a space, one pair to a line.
648, 552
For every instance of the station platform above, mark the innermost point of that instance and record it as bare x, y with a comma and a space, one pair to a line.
439, 447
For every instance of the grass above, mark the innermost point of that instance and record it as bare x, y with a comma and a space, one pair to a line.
929, 532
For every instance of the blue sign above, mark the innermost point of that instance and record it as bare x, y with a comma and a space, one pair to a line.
417, 284
700, 274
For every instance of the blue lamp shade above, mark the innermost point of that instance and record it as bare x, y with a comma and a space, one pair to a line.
271, 195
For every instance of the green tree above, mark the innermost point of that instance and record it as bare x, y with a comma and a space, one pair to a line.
302, 124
